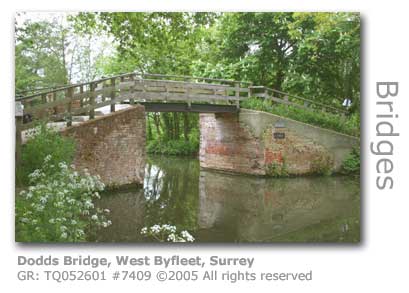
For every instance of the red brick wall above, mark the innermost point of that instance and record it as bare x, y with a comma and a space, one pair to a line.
112, 146
226, 145
229, 145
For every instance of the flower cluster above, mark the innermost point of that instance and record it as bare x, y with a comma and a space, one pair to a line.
58, 205
166, 233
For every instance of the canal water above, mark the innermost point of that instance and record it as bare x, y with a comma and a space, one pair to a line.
218, 207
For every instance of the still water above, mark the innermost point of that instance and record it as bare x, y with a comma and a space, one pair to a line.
218, 207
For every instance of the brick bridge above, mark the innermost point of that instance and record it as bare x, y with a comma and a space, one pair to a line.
106, 117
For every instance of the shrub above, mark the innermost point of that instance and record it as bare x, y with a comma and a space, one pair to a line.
322, 165
277, 170
352, 163
45, 142
58, 205
172, 147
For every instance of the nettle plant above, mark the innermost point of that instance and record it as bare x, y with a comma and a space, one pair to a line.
166, 233
58, 205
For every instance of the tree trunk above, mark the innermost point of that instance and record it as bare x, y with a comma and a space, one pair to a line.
186, 126
176, 125
156, 120
168, 126
149, 130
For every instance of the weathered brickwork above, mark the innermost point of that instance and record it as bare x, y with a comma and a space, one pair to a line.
255, 143
293, 154
226, 145
112, 146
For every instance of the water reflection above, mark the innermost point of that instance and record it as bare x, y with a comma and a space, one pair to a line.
222, 207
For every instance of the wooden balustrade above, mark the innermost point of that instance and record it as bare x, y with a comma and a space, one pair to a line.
84, 98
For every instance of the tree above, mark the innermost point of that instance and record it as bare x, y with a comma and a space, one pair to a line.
159, 42
49, 53
40, 55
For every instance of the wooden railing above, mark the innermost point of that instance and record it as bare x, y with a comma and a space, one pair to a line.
292, 100
83, 98
61, 104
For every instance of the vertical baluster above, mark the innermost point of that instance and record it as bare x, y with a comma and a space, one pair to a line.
132, 100
306, 104
19, 124
189, 102
43, 113
68, 95
286, 100
53, 99
82, 98
92, 100
113, 94
237, 95
266, 96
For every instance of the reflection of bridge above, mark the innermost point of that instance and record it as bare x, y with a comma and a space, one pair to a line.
158, 93
251, 142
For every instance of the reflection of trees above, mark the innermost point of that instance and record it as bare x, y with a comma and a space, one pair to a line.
252, 209
171, 192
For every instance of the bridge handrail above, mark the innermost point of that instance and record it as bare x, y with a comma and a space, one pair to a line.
85, 98
74, 86
199, 78
288, 95
121, 87
135, 74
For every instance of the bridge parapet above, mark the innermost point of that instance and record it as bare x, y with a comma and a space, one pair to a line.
83, 99
112, 146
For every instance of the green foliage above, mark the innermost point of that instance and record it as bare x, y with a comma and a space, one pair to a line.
40, 55
278, 170
173, 147
322, 165
348, 125
172, 133
352, 163
58, 205
316, 55
44, 142
160, 42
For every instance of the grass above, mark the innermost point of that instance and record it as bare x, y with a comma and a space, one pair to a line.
349, 125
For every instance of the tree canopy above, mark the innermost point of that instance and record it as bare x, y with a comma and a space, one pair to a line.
316, 55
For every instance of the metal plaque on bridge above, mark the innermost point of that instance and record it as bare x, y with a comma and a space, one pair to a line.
279, 135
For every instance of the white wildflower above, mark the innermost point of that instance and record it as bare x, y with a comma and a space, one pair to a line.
171, 237
144, 230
